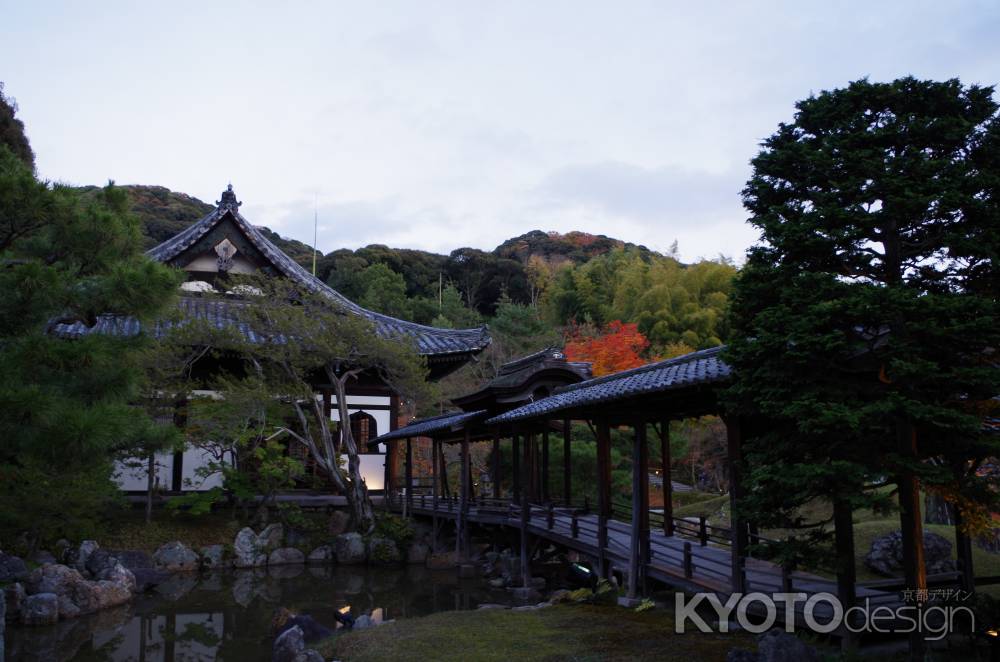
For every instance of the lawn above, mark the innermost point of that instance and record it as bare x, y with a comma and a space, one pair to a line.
563, 632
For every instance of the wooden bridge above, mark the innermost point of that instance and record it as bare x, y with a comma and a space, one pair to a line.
695, 558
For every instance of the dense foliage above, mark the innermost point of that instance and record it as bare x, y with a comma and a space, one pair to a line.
67, 405
870, 309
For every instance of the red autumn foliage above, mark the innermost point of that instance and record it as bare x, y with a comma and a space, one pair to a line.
616, 347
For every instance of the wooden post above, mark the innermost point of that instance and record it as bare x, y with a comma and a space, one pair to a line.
463, 510
496, 464
525, 516
515, 460
603, 494
545, 466
668, 483
843, 522
445, 488
644, 546
734, 438
688, 562
409, 475
911, 526
635, 548
434, 491
567, 462
531, 463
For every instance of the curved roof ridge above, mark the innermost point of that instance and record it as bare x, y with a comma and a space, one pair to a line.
430, 339
676, 360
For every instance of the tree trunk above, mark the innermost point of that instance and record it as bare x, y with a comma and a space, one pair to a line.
150, 485
358, 499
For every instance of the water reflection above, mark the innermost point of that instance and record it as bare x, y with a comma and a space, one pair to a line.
227, 615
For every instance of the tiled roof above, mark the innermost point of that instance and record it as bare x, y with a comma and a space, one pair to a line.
703, 367
429, 340
453, 421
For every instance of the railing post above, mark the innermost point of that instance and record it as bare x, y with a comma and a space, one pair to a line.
575, 526
586, 505
786, 579
702, 530
551, 517
688, 562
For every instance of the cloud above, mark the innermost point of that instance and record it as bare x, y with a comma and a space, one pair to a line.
644, 194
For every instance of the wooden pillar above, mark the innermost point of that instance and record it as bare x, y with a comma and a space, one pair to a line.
567, 462
640, 507
963, 547
515, 460
545, 466
435, 490
668, 483
531, 464
643, 494
496, 464
525, 516
463, 510
409, 475
603, 494
445, 487
738, 550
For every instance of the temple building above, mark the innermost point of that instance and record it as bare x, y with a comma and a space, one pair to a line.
224, 242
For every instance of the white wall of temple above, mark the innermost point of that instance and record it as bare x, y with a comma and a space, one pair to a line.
131, 475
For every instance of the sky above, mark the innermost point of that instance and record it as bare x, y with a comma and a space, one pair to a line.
439, 125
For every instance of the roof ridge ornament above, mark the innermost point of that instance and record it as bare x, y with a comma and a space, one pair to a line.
229, 200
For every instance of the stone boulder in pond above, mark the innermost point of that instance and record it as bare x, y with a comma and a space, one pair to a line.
271, 538
286, 556
886, 554
175, 557
40, 609
288, 645
12, 568
212, 555
350, 548
322, 554
247, 550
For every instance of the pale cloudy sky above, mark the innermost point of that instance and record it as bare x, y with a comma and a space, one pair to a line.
437, 125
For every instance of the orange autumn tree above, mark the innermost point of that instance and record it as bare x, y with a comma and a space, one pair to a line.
615, 347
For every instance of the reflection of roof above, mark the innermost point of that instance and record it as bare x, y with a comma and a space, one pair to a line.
453, 421
429, 340
696, 368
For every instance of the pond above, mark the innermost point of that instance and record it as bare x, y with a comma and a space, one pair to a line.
227, 615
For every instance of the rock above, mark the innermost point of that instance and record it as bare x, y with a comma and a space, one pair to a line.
177, 585
363, 622
780, 646
350, 548
499, 582
417, 552
175, 557
271, 537
286, 556
212, 555
118, 574
491, 605
67, 609
339, 521
247, 551
43, 556
288, 645
322, 554
58, 579
312, 630
133, 559
12, 568
525, 594
99, 562
562, 595
886, 554
383, 550
741, 655
77, 558
40, 609
62, 548
308, 655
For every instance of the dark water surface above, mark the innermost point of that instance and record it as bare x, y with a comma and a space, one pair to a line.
227, 615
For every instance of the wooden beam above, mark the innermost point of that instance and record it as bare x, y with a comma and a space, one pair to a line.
603, 494
567, 462
668, 483
738, 549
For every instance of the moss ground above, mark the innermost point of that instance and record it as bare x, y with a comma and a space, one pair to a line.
564, 632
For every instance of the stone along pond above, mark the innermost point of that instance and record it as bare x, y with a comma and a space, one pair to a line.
226, 615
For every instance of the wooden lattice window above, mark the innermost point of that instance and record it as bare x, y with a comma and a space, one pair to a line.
364, 429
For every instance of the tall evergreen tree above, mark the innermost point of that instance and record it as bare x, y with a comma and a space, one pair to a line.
67, 406
866, 320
